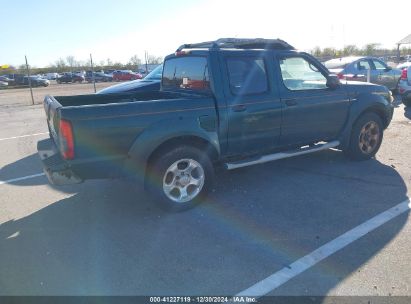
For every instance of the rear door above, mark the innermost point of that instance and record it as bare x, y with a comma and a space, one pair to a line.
312, 111
253, 101
364, 66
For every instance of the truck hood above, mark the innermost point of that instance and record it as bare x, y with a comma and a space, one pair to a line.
358, 87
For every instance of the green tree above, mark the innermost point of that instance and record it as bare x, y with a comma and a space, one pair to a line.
60, 64
316, 52
71, 61
370, 48
329, 51
152, 59
135, 61
350, 50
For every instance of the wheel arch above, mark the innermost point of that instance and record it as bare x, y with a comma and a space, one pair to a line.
165, 136
359, 109
174, 142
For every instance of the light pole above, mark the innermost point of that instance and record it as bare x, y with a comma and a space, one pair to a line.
28, 73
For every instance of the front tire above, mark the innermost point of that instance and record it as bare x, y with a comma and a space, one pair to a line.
366, 137
181, 178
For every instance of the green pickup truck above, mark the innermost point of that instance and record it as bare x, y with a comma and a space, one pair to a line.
230, 103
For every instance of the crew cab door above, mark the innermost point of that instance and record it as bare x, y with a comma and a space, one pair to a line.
312, 111
253, 103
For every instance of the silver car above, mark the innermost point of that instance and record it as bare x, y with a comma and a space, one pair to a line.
357, 68
404, 86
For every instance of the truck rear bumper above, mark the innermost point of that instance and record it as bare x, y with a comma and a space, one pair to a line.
55, 168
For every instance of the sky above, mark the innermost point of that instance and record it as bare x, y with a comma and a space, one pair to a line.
48, 30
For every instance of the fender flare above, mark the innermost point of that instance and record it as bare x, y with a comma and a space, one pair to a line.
160, 132
361, 104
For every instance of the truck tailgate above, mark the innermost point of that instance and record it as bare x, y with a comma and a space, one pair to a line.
51, 106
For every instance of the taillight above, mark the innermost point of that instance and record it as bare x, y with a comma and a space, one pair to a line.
404, 73
66, 139
340, 76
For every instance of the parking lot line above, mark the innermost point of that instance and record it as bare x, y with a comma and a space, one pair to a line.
287, 273
28, 135
20, 178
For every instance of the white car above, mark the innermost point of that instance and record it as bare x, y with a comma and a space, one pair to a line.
404, 65
3, 84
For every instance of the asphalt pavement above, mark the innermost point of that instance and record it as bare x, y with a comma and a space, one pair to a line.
108, 237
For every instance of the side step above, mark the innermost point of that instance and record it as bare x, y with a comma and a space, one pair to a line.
281, 155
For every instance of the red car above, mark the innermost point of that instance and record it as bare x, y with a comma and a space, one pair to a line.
125, 75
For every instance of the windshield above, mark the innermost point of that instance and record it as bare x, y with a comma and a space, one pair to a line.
155, 74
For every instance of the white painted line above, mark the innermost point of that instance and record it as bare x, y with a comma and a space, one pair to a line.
20, 178
21, 136
287, 273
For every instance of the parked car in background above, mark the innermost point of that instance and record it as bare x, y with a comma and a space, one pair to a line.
70, 77
404, 86
80, 73
149, 83
7, 80
3, 84
52, 76
99, 77
126, 75
36, 81
356, 68
404, 65
109, 72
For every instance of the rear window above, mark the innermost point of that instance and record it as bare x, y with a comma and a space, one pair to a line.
190, 73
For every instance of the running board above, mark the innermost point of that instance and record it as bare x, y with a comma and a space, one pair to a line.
281, 155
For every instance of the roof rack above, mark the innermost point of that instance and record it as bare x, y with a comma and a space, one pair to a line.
240, 43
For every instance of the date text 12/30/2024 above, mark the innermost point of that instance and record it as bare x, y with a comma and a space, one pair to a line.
203, 299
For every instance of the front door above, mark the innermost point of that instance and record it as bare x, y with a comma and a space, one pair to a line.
385, 75
312, 111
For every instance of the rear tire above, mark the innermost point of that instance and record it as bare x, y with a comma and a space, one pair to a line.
180, 178
366, 137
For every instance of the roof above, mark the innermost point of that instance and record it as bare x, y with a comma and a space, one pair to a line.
342, 61
406, 40
240, 43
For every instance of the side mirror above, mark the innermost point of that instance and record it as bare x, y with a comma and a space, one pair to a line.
333, 81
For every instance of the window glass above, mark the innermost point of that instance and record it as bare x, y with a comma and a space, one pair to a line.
363, 65
299, 74
186, 73
155, 74
379, 65
247, 75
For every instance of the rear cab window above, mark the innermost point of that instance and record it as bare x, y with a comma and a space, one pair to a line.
186, 73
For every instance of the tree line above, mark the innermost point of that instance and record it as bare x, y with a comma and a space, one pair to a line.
70, 64
370, 49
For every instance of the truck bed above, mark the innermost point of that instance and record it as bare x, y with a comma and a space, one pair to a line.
95, 99
105, 126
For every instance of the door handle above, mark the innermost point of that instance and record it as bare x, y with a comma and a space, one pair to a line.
239, 108
290, 102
